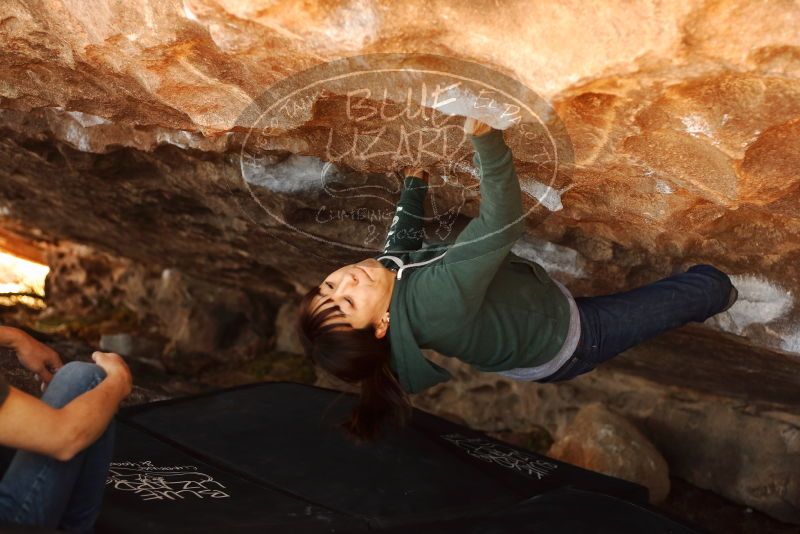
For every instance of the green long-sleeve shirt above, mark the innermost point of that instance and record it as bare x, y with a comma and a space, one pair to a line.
474, 299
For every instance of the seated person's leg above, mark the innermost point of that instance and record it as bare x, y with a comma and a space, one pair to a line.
39, 490
87, 493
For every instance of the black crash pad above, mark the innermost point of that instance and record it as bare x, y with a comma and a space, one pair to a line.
271, 457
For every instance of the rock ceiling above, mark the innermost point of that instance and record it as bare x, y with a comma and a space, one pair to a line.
124, 123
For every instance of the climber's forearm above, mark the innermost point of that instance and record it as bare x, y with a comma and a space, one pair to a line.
406, 231
499, 223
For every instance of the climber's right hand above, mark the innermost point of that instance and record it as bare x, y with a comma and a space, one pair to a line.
418, 172
476, 127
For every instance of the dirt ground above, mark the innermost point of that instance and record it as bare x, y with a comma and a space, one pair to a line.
718, 515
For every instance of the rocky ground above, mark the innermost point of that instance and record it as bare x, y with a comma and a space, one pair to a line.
684, 501
719, 515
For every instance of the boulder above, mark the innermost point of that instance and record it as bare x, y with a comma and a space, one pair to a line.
724, 414
676, 124
600, 440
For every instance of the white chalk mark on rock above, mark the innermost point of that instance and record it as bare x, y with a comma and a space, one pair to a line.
791, 343
548, 196
760, 302
550, 256
664, 187
189, 14
294, 174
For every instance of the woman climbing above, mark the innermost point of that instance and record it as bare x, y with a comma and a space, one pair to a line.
477, 301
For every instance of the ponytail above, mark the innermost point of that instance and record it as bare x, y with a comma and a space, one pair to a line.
356, 356
382, 399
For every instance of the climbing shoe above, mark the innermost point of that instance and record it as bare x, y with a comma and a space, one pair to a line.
732, 297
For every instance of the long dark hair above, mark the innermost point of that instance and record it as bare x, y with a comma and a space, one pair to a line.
356, 356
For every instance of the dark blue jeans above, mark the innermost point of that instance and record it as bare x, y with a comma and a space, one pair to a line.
39, 490
611, 324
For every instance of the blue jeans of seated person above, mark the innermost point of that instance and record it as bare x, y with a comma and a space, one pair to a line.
39, 490
611, 324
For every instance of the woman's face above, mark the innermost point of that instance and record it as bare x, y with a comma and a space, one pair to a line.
362, 290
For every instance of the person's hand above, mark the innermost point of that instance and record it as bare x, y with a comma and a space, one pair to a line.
418, 172
116, 370
476, 127
37, 357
